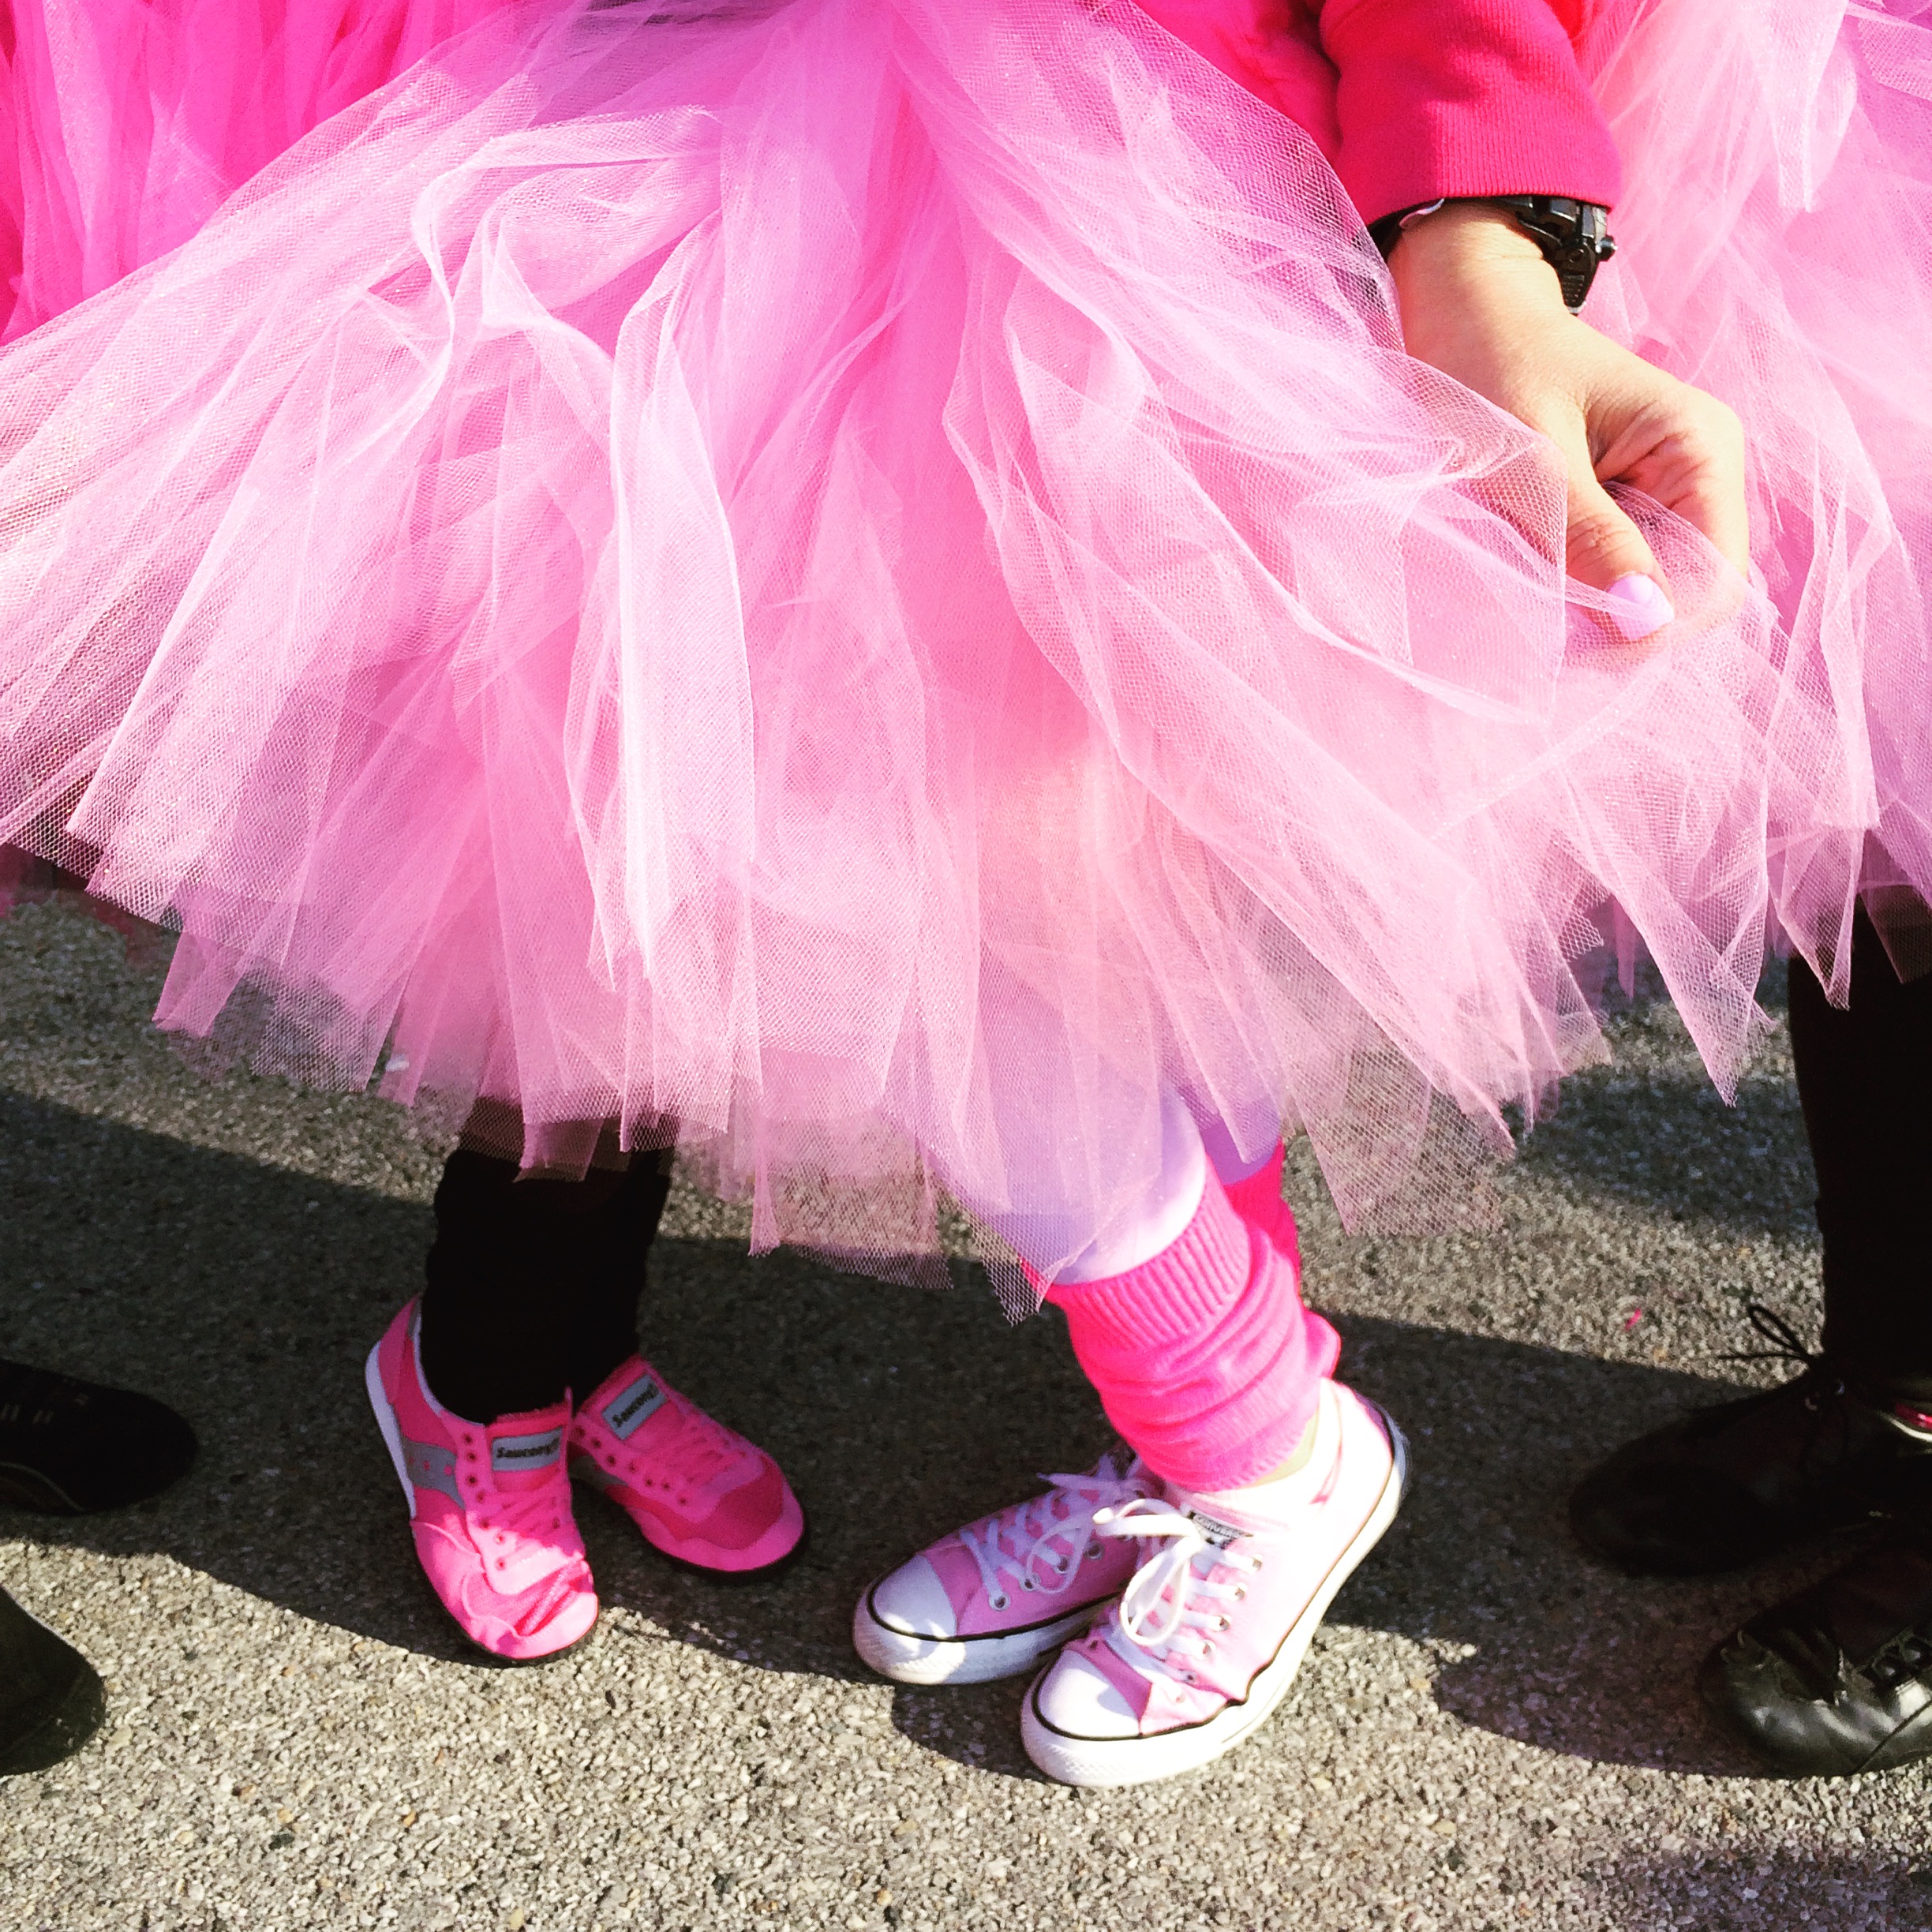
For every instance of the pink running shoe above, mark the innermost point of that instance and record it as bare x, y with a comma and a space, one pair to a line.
490, 1507
1208, 1635
992, 1599
699, 1492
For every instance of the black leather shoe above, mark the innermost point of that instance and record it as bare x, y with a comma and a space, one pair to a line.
1838, 1679
51, 1701
1727, 1485
68, 1447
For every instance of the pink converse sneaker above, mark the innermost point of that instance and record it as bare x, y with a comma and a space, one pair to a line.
1209, 1635
490, 1507
699, 1492
992, 1599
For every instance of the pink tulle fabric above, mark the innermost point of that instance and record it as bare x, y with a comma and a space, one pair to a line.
867, 582
1776, 247
125, 123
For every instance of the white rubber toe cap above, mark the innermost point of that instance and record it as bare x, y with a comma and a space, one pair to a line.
913, 1602
1075, 1698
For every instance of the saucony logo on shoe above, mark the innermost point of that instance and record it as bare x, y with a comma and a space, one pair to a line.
526, 1452
632, 1408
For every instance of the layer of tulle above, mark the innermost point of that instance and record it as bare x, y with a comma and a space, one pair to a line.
125, 123
869, 585
1776, 248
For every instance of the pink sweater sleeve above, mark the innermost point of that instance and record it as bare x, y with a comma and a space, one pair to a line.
1461, 97
1414, 99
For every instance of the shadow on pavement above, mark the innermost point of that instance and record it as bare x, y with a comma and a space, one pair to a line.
1757, 1888
248, 1296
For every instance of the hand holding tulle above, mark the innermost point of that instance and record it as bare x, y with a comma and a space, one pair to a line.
1480, 303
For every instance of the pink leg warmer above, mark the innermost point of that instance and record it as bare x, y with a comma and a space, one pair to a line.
1258, 1200
1205, 1359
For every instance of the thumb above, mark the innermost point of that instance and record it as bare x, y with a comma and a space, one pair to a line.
1607, 551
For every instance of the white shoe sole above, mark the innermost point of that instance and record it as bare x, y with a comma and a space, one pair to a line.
1099, 1763
909, 1660
386, 1421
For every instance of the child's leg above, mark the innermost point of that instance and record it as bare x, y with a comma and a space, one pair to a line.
530, 1297
1204, 1356
614, 1247
468, 1387
1259, 1485
1279, 1481
697, 1492
1187, 1318
510, 1273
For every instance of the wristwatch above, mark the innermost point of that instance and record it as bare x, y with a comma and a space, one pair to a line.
1575, 236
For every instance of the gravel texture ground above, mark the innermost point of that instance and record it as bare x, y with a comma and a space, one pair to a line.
1491, 1732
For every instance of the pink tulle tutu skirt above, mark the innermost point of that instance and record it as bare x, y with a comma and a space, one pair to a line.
1776, 248
125, 123
865, 583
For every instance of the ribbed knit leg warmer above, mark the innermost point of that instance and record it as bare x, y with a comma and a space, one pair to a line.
1205, 1359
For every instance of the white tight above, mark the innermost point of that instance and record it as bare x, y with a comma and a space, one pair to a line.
1063, 1244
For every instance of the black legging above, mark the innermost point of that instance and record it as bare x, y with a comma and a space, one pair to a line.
1865, 1079
533, 1285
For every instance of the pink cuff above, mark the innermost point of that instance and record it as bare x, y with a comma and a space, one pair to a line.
1438, 97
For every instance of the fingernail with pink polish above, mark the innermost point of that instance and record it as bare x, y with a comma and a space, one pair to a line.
1645, 608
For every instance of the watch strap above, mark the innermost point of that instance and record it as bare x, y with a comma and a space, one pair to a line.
1575, 236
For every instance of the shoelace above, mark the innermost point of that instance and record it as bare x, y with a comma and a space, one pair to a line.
524, 1513
994, 1542
1786, 1343
703, 1447
1828, 1379
1169, 1612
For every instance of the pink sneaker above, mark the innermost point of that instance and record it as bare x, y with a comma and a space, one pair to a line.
1210, 1633
490, 1507
699, 1492
992, 1599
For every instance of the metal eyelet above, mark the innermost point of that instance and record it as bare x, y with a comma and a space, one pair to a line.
1001, 1601
1026, 1583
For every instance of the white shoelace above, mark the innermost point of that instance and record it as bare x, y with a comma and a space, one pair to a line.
1034, 1523
1170, 1612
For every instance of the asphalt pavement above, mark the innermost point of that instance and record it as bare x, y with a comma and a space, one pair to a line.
1491, 1732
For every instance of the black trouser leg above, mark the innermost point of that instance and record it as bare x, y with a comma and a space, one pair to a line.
1865, 1080
532, 1286
615, 1245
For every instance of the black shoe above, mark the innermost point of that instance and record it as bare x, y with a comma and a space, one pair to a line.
1838, 1679
1729, 1485
68, 1445
51, 1701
